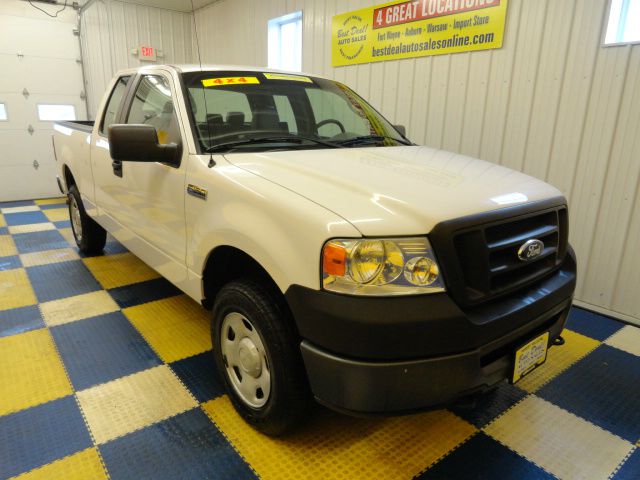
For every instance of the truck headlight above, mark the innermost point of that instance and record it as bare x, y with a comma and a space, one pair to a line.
381, 266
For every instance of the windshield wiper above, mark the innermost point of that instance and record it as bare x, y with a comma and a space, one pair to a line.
371, 139
270, 139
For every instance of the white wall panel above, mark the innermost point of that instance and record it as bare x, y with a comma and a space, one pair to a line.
552, 102
111, 28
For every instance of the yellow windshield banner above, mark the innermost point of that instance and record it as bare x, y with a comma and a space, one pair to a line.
221, 81
417, 28
284, 76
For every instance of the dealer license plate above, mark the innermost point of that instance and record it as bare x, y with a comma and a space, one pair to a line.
530, 356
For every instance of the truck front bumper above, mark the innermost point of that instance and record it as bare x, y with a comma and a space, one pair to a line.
367, 355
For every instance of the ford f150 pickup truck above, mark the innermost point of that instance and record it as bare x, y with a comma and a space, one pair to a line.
340, 261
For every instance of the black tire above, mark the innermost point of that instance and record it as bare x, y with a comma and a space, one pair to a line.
289, 400
92, 238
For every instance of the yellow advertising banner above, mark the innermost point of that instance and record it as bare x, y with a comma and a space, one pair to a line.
417, 28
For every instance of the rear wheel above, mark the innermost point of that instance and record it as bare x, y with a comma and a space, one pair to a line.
89, 236
257, 353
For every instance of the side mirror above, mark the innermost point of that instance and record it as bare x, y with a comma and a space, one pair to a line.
402, 129
139, 143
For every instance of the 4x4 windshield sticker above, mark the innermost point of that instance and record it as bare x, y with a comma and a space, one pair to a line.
221, 81
284, 76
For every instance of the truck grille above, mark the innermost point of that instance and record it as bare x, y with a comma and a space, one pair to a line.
479, 255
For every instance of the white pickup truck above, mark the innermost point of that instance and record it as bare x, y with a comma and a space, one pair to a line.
340, 260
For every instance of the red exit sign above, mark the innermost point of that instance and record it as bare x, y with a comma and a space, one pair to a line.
147, 53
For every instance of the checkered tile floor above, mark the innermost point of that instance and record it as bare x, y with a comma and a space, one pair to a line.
105, 371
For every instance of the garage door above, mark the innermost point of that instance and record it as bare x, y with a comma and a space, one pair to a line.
41, 79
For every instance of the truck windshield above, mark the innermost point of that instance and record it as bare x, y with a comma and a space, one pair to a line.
240, 111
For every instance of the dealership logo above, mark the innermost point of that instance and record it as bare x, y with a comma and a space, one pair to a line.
352, 36
530, 250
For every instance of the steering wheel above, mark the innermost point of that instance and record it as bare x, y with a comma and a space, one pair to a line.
331, 120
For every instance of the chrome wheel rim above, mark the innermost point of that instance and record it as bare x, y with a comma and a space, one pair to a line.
76, 220
245, 360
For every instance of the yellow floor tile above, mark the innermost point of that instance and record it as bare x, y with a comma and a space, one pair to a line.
49, 256
15, 289
57, 214
559, 359
84, 465
118, 270
31, 371
558, 441
51, 201
626, 339
7, 246
133, 402
341, 447
75, 308
175, 327
30, 228
67, 233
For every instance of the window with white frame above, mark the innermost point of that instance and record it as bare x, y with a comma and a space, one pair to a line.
285, 42
52, 113
3, 112
623, 25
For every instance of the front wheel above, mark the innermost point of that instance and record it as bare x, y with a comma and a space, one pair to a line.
257, 353
89, 236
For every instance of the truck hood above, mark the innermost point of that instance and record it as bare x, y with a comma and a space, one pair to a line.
395, 190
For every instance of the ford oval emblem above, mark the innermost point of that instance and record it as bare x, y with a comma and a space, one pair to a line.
530, 249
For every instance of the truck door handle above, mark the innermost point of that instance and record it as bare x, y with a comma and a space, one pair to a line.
117, 168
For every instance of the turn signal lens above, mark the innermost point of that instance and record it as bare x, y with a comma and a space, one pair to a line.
334, 259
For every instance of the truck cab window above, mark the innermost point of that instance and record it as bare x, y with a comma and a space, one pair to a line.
111, 110
328, 105
153, 105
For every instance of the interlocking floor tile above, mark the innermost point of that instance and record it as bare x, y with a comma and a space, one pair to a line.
630, 469
70, 309
559, 359
626, 339
57, 214
16, 203
592, 324
67, 235
52, 206
30, 371
130, 403
40, 241
336, 446
49, 256
558, 441
117, 270
185, 446
101, 349
15, 289
31, 227
7, 246
603, 388
20, 209
481, 457
175, 327
84, 465
20, 320
200, 376
60, 280
3, 224
9, 263
24, 217
42, 434
62, 224
491, 404
43, 202
3, 230
144, 292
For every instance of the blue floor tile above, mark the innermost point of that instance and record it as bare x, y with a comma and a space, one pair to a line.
9, 263
51, 206
491, 404
592, 324
630, 469
481, 457
38, 435
19, 320
60, 280
143, 292
25, 218
103, 348
4, 231
200, 376
19, 203
62, 224
185, 446
39, 241
603, 389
